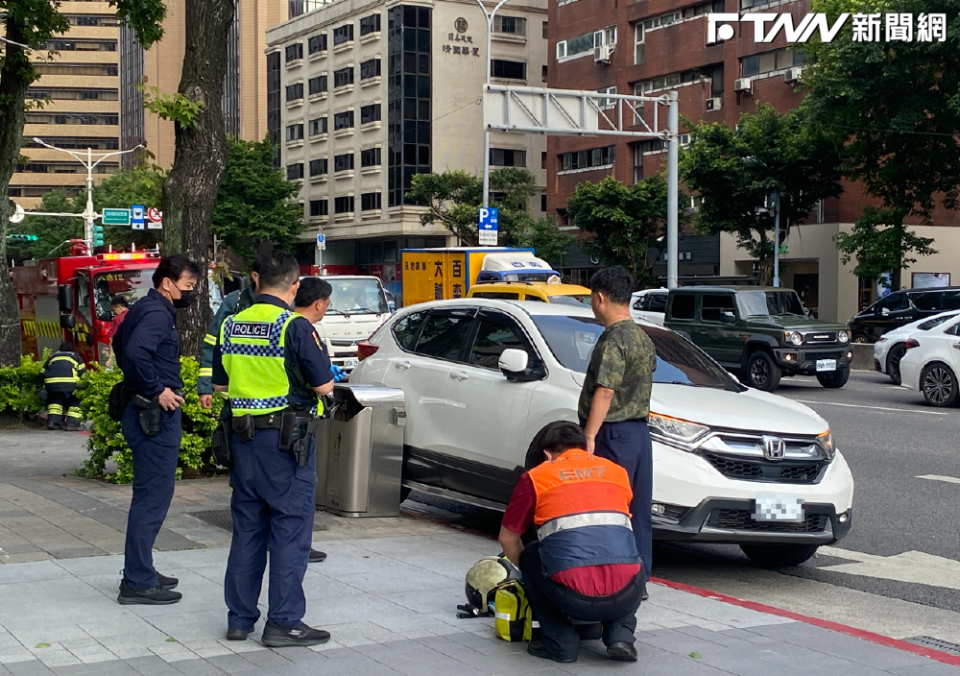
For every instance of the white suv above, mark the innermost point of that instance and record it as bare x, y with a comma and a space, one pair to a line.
731, 464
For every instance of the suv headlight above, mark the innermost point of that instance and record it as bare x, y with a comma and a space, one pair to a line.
827, 444
844, 337
794, 337
675, 432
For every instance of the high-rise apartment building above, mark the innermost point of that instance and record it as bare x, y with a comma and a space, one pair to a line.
364, 94
244, 98
78, 106
652, 46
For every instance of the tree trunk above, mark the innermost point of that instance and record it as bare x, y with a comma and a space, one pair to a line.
14, 80
191, 188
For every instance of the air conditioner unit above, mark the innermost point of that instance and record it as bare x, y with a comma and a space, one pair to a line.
793, 74
744, 84
603, 53
714, 104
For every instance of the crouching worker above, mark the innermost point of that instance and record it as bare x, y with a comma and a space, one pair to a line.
584, 565
61, 376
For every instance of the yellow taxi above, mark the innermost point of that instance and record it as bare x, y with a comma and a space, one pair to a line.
545, 292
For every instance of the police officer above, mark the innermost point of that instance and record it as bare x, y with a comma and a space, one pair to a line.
272, 366
61, 375
148, 351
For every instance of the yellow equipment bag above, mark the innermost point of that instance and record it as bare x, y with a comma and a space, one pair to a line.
514, 614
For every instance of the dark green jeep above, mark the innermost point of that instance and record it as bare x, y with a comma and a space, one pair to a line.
760, 333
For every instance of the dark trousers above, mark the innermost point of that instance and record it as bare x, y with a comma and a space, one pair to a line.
628, 444
154, 474
60, 404
554, 605
272, 505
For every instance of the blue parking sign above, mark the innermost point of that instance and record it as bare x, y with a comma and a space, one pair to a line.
487, 232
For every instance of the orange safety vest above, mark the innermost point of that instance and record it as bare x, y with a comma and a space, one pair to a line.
582, 512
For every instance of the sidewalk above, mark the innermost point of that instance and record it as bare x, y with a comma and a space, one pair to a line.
390, 604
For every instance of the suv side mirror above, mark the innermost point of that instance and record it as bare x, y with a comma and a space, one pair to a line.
65, 297
885, 312
513, 363
68, 322
727, 317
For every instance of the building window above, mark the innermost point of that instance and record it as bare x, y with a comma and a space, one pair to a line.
408, 102
543, 203
588, 159
579, 44
369, 114
318, 168
343, 120
638, 37
713, 72
369, 69
637, 162
319, 208
295, 171
343, 205
508, 70
511, 25
342, 34
318, 84
273, 104
543, 73
545, 32
318, 125
369, 201
370, 24
295, 132
342, 77
607, 103
506, 157
769, 62
295, 92
543, 160
370, 158
294, 52
343, 163
317, 44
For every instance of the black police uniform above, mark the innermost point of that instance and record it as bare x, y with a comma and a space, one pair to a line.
273, 497
147, 347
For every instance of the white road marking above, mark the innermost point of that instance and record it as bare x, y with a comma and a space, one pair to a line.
875, 408
940, 477
915, 567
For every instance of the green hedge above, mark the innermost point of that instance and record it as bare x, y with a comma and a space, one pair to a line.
106, 437
19, 387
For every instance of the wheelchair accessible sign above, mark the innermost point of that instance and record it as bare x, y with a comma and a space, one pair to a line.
487, 232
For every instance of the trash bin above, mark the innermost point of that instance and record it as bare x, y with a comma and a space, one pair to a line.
323, 445
365, 451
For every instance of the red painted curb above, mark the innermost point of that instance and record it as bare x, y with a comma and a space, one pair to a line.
937, 655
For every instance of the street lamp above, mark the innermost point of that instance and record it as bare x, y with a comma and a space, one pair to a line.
89, 216
775, 199
486, 132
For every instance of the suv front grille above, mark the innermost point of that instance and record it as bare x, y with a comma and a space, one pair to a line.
740, 519
820, 337
780, 471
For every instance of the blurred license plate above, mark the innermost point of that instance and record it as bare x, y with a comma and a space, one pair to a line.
350, 363
826, 365
783, 508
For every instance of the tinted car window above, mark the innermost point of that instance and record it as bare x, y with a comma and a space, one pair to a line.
683, 306
927, 301
893, 302
770, 303
442, 336
712, 306
406, 329
934, 323
492, 339
497, 294
951, 300
657, 302
679, 362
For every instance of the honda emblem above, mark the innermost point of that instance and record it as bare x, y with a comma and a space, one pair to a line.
774, 448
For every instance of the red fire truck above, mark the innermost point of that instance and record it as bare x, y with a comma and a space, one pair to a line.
68, 298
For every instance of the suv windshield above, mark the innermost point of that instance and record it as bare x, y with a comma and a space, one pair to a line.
679, 362
770, 303
357, 296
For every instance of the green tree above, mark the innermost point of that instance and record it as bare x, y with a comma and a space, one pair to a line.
256, 202
546, 238
141, 185
625, 221
735, 170
453, 199
29, 25
51, 231
896, 106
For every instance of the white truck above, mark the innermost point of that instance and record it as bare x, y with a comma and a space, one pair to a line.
358, 307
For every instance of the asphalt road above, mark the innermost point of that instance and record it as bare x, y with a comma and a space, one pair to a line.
898, 572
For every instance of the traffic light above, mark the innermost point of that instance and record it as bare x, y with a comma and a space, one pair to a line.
97, 235
22, 238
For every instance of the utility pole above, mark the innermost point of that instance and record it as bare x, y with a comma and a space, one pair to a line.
486, 80
673, 161
776, 238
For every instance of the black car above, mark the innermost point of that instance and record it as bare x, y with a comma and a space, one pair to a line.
902, 307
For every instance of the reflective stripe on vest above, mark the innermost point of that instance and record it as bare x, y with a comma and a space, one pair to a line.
252, 348
582, 520
62, 369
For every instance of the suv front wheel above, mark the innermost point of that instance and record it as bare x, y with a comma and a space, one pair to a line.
834, 380
762, 372
779, 556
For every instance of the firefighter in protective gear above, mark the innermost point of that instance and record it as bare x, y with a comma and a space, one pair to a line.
61, 375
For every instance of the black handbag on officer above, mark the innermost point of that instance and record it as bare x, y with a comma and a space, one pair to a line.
117, 403
222, 436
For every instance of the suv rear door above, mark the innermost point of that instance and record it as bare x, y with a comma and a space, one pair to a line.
721, 339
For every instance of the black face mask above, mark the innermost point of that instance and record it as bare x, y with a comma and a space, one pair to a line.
186, 299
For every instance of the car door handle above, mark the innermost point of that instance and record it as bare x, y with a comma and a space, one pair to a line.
402, 365
956, 346
459, 375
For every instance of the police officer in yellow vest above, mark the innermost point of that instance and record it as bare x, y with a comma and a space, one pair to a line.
272, 366
61, 375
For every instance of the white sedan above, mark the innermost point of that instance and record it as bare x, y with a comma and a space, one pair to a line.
931, 364
891, 346
731, 464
